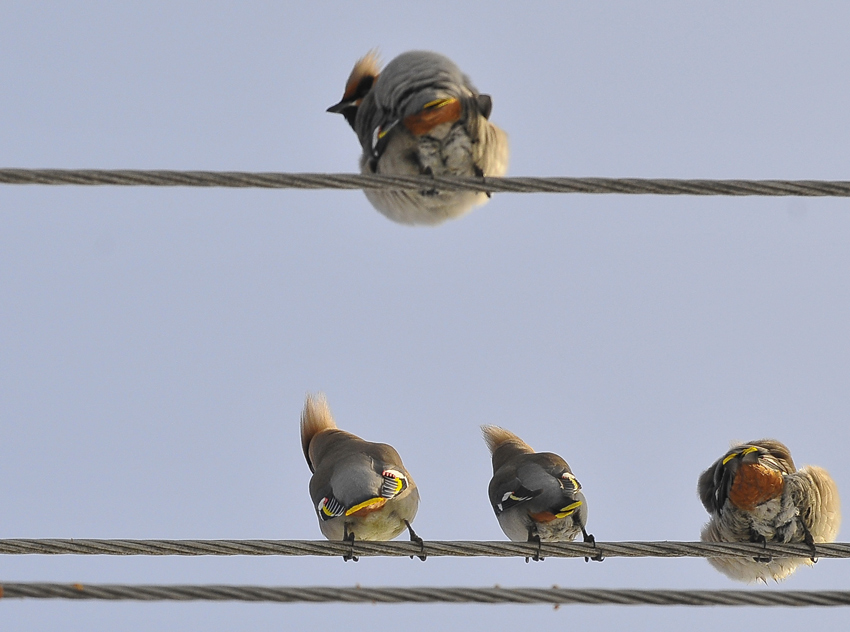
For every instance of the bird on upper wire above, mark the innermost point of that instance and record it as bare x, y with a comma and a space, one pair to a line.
422, 116
754, 493
360, 490
535, 495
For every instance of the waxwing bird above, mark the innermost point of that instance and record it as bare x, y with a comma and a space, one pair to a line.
360, 490
754, 493
422, 116
534, 494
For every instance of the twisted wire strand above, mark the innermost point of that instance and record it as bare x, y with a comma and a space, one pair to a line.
650, 186
431, 548
396, 594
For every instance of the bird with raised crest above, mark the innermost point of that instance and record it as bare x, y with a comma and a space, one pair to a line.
422, 116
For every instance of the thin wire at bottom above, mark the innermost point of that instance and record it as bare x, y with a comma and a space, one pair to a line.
396, 594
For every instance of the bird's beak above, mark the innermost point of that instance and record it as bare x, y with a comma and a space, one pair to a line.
337, 108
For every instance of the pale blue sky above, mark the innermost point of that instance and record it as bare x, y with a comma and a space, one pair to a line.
156, 344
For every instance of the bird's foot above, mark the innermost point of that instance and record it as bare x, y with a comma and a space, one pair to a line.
810, 541
764, 559
349, 537
427, 171
416, 538
533, 537
588, 537
479, 173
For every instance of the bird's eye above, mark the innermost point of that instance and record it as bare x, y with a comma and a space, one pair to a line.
364, 86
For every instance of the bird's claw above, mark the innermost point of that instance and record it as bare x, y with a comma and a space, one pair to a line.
416, 538
763, 559
479, 173
810, 541
588, 537
349, 537
533, 537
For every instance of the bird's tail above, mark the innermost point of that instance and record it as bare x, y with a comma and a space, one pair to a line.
824, 503
495, 437
315, 418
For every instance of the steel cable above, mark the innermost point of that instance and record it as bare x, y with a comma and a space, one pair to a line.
646, 186
398, 594
432, 548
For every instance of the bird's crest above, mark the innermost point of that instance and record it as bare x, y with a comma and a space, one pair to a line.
367, 66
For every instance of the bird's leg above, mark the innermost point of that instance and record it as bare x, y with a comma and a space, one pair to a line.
479, 173
533, 536
416, 538
349, 536
588, 537
810, 541
427, 171
764, 559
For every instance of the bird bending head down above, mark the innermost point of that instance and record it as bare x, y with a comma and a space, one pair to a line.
754, 493
421, 116
359, 489
535, 496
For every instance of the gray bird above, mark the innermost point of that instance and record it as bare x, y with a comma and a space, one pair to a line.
754, 493
360, 490
422, 116
535, 496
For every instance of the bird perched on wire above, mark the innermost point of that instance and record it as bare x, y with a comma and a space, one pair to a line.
360, 490
534, 494
754, 493
422, 116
